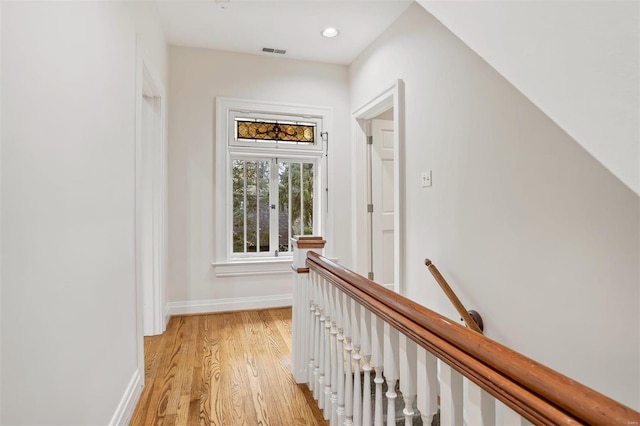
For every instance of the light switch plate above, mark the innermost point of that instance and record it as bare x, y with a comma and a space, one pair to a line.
426, 178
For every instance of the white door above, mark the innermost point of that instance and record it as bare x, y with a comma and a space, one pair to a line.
382, 198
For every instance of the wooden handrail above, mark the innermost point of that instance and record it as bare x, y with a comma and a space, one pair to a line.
536, 392
453, 298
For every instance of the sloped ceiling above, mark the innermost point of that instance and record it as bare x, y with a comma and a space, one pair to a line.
578, 61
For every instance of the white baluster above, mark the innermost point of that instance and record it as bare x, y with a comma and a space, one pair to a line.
327, 355
450, 395
427, 385
377, 357
312, 329
306, 339
366, 367
358, 336
348, 347
334, 363
479, 405
334, 356
318, 334
327, 348
340, 412
408, 376
322, 330
391, 347
317, 349
507, 417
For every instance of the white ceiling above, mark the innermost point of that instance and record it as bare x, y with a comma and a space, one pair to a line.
294, 25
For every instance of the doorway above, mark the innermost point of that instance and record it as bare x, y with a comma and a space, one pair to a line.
378, 232
150, 203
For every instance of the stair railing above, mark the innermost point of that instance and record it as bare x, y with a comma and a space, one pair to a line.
471, 318
443, 368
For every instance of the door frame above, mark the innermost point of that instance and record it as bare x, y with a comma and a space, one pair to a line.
149, 84
391, 97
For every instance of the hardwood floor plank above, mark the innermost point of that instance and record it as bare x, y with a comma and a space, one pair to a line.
224, 369
154, 413
168, 398
182, 416
189, 361
152, 354
279, 317
255, 366
209, 348
241, 400
195, 393
215, 372
180, 366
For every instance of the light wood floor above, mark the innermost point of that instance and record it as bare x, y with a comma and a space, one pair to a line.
224, 369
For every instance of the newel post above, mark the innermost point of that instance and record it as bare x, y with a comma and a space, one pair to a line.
302, 303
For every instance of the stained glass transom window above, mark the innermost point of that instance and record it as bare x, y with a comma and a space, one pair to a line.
275, 131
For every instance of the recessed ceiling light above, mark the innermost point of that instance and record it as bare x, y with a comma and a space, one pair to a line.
330, 32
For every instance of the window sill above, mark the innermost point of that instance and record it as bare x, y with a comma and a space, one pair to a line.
252, 267
255, 267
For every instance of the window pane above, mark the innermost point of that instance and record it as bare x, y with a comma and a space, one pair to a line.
296, 201
284, 231
264, 212
307, 200
237, 175
251, 207
296, 205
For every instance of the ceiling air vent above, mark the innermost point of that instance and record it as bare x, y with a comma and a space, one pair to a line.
272, 50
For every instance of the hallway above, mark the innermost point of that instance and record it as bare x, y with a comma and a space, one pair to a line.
224, 369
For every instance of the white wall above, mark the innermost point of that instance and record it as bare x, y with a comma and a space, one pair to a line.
144, 15
68, 307
578, 61
197, 77
528, 227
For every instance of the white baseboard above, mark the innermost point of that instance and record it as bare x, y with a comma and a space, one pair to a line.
129, 401
231, 304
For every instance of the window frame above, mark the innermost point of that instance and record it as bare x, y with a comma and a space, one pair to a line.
228, 148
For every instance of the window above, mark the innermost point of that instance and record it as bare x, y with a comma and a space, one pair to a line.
273, 200
282, 131
271, 177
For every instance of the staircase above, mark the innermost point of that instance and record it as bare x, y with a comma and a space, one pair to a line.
371, 356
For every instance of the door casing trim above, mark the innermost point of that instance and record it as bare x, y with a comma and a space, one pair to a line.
391, 97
